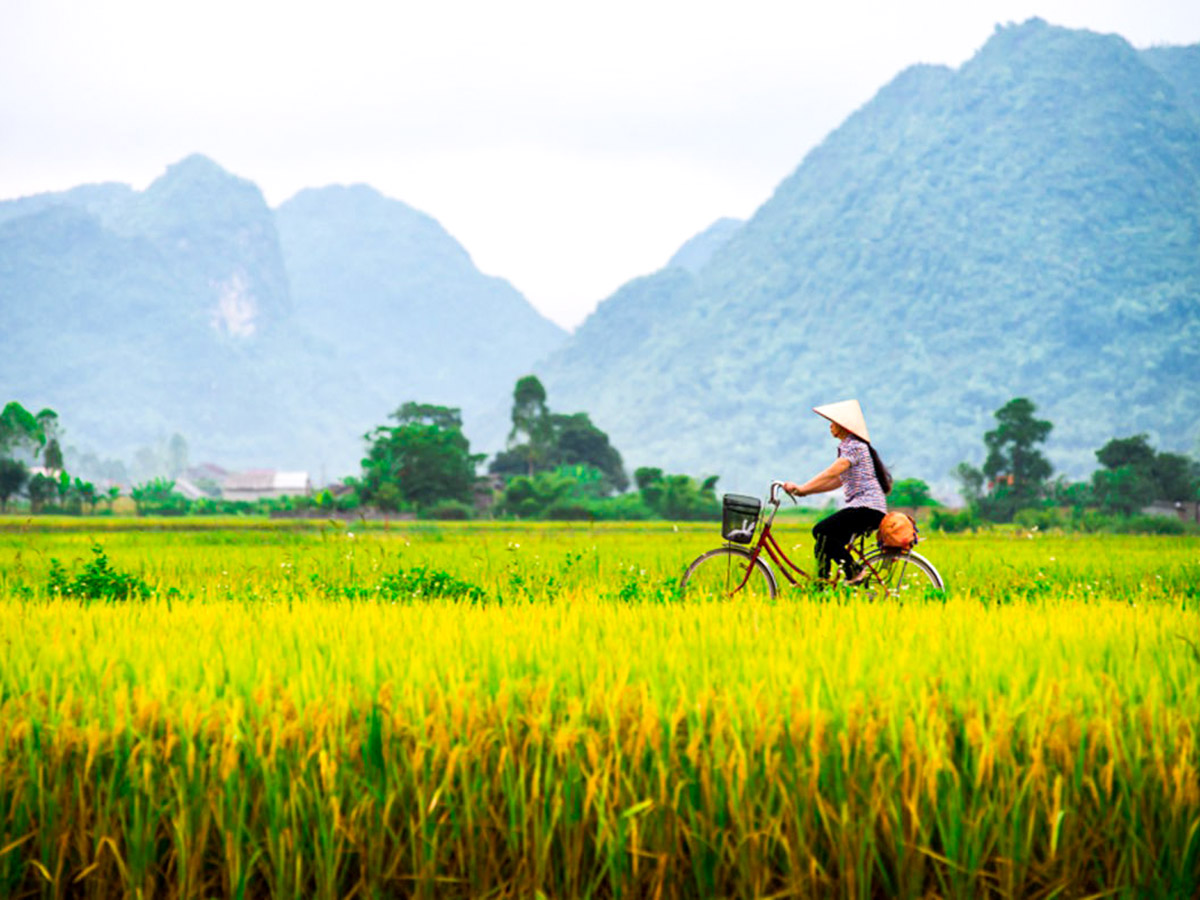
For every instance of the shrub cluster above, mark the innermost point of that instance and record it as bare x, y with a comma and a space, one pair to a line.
97, 581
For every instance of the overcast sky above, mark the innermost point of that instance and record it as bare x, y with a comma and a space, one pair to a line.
568, 146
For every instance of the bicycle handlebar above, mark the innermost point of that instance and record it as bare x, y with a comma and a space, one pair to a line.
779, 484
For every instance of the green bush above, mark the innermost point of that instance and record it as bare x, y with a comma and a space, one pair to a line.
911, 492
1150, 525
1094, 521
570, 511
97, 581
209, 506
951, 522
449, 511
678, 497
423, 582
627, 507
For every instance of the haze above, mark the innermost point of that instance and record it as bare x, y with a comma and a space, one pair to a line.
569, 147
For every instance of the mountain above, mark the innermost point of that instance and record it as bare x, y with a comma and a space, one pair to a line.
695, 253
385, 281
137, 315
1180, 66
1025, 225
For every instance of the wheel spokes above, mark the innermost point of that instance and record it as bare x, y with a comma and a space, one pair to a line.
900, 577
727, 575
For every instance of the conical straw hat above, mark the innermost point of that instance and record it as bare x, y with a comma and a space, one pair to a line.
848, 414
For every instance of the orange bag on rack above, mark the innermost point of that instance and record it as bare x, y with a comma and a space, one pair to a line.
898, 531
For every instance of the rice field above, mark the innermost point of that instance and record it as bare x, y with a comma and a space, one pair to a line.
485, 710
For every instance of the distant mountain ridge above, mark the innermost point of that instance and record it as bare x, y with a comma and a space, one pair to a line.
1180, 66
387, 282
1025, 225
695, 253
1028, 224
141, 314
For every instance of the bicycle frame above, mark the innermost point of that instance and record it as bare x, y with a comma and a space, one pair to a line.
766, 541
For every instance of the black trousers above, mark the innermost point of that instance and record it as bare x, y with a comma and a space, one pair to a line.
835, 532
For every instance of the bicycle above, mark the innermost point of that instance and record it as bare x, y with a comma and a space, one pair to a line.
742, 570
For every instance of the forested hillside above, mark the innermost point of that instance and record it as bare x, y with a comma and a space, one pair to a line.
1025, 225
393, 291
140, 315
264, 338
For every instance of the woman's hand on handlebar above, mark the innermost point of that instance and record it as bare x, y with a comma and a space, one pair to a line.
790, 488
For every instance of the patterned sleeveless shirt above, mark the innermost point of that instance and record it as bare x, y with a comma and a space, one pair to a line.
859, 481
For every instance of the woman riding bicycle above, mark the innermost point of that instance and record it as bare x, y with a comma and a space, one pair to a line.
859, 470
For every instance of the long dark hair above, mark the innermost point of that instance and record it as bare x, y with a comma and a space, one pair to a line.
882, 475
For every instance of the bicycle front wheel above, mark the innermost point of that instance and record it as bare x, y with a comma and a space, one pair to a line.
728, 572
901, 575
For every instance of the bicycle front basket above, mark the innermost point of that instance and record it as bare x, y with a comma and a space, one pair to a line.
739, 517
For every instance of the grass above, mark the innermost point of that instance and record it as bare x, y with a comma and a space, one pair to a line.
468, 711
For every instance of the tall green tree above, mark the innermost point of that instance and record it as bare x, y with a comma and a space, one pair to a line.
19, 428
578, 442
1126, 482
13, 476
85, 493
1135, 475
1134, 452
52, 458
1017, 471
970, 480
1177, 477
1122, 490
425, 458
47, 423
1012, 448
41, 490
543, 441
532, 434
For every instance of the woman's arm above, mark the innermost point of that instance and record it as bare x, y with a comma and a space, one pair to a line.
829, 480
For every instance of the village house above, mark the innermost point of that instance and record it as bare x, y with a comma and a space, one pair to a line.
264, 484
1184, 510
202, 481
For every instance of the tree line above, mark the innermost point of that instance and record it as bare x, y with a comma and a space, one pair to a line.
554, 466
1015, 482
562, 466
34, 436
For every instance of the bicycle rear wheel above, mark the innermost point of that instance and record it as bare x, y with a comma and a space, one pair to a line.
728, 572
900, 575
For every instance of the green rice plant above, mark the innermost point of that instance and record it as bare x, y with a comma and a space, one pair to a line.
247, 731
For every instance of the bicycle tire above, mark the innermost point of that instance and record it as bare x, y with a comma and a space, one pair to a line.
719, 572
901, 574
